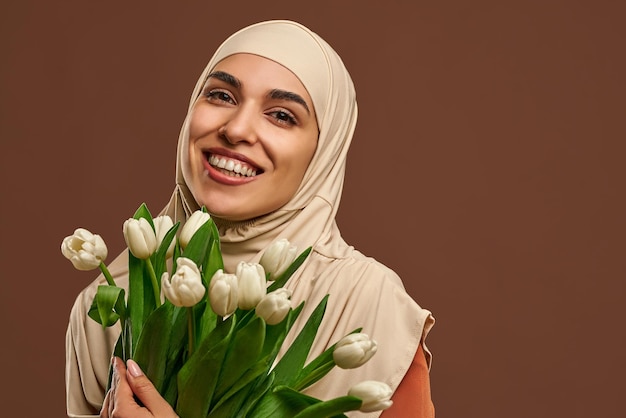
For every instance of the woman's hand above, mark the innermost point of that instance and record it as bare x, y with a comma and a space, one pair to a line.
128, 383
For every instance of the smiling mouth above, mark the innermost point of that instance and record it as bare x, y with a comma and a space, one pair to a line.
232, 167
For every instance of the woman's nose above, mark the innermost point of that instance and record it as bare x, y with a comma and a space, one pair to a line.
240, 127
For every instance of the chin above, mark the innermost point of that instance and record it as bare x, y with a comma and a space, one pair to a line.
235, 207
226, 212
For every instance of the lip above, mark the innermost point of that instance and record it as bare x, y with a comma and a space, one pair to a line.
222, 178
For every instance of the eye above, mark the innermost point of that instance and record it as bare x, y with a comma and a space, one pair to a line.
283, 117
219, 96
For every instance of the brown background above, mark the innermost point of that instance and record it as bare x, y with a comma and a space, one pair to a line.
487, 170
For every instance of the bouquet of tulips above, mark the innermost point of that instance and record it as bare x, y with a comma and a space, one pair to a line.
211, 347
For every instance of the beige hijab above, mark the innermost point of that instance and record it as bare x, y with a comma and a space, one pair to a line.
308, 218
363, 293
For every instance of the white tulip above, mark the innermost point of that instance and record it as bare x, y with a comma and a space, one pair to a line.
195, 221
278, 256
162, 224
223, 293
376, 396
252, 284
140, 237
185, 288
274, 306
354, 350
85, 250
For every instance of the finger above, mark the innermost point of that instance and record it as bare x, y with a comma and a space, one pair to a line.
104, 412
120, 387
146, 392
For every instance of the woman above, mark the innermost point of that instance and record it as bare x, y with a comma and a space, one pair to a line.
264, 147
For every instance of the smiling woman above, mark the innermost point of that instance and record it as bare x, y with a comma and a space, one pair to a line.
251, 138
264, 148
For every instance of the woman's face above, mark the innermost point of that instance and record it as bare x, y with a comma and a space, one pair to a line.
252, 135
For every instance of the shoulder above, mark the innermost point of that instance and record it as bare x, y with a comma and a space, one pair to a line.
358, 286
356, 272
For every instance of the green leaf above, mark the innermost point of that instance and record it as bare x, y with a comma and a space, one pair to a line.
153, 344
330, 408
294, 397
261, 387
243, 352
160, 257
108, 305
282, 279
282, 401
141, 301
214, 260
198, 244
143, 212
170, 391
275, 334
314, 375
177, 253
175, 354
198, 377
232, 401
289, 367
207, 320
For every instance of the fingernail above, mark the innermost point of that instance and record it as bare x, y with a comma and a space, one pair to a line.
134, 368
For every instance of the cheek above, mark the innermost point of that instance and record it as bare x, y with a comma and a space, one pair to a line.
203, 119
197, 124
299, 162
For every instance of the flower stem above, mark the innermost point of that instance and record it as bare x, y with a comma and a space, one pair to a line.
107, 274
155, 284
314, 375
191, 325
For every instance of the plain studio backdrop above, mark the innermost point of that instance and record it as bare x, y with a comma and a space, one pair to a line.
487, 169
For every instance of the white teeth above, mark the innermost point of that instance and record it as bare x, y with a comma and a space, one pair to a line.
231, 167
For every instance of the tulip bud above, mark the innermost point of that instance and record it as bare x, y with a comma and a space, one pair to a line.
85, 250
223, 293
162, 224
376, 396
185, 288
354, 350
252, 284
274, 306
195, 221
140, 237
277, 257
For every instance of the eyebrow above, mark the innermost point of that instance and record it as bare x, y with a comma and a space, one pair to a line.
276, 94
226, 78
288, 95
